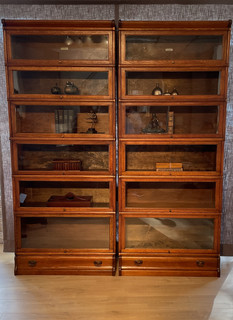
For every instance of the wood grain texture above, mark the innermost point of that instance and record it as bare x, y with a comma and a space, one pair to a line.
129, 298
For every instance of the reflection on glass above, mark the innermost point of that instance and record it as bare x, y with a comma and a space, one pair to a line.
63, 157
64, 194
173, 119
65, 119
190, 157
80, 82
169, 233
186, 83
61, 232
60, 47
170, 194
179, 47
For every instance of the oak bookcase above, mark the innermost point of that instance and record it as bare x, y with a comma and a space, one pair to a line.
172, 90
172, 103
61, 95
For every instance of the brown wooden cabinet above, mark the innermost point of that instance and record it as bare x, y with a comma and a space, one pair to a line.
172, 86
61, 95
172, 101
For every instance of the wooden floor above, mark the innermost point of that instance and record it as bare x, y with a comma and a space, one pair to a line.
125, 298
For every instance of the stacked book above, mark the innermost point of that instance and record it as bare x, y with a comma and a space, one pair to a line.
64, 120
170, 122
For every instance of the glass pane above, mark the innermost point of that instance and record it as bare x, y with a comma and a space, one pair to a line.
64, 194
182, 83
61, 232
169, 233
67, 119
162, 158
61, 82
179, 47
60, 47
170, 194
63, 157
172, 119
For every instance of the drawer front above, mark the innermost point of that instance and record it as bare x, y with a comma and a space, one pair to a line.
169, 265
65, 265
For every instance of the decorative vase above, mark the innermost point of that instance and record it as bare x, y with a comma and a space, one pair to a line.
70, 88
56, 90
157, 91
174, 92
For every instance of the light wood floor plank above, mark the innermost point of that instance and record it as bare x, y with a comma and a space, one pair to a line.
114, 298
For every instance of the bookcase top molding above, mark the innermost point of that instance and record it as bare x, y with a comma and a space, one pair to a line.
174, 25
80, 24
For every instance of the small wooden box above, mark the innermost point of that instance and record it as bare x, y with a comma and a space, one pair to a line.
163, 166
59, 164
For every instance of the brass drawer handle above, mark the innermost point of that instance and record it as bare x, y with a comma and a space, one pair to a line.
138, 262
32, 263
98, 263
200, 263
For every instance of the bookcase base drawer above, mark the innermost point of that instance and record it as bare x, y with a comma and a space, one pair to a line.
81, 265
169, 266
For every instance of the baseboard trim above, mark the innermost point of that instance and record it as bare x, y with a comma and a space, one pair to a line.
8, 246
226, 249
